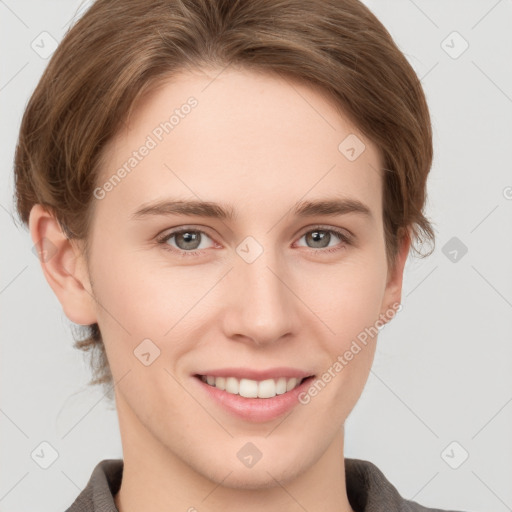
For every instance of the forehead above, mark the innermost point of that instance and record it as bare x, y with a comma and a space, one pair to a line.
225, 135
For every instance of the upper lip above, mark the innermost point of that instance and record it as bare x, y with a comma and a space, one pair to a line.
250, 373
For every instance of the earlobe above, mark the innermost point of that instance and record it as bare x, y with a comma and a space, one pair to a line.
63, 266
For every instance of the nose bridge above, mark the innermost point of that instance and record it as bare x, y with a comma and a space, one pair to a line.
262, 306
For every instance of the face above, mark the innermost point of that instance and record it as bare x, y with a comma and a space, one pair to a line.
274, 284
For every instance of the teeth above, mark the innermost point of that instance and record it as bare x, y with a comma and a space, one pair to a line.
252, 388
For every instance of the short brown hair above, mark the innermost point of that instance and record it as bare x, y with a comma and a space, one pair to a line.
122, 48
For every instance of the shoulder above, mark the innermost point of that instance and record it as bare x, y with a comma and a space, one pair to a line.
368, 490
98, 494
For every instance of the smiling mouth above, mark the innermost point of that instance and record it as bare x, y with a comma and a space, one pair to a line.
248, 388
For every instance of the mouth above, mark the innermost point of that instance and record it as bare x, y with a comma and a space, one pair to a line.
254, 395
249, 388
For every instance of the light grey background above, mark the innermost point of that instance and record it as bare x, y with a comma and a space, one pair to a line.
443, 368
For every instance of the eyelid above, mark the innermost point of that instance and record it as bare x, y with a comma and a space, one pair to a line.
341, 231
168, 234
346, 237
204, 230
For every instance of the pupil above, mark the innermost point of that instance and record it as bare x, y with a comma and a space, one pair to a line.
320, 236
189, 237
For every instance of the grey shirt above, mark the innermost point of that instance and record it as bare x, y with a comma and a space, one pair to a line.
368, 490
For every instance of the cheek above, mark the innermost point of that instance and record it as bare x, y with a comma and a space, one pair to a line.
149, 307
346, 297
348, 303
139, 296
140, 319
142, 295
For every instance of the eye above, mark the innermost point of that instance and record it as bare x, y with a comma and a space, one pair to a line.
188, 241
321, 236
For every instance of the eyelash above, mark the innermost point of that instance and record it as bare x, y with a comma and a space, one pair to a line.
182, 253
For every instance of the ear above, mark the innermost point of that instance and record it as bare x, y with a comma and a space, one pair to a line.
393, 291
63, 266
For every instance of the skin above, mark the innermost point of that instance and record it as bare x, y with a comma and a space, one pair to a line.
259, 144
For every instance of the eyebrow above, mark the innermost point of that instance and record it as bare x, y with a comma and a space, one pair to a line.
329, 207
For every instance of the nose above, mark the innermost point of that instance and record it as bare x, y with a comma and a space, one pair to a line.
260, 307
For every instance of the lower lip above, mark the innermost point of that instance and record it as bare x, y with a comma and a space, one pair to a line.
256, 409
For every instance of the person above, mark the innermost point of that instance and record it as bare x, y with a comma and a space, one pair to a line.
224, 195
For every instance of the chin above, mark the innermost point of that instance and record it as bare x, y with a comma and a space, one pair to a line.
250, 479
263, 475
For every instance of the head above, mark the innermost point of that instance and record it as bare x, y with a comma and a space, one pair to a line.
243, 105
